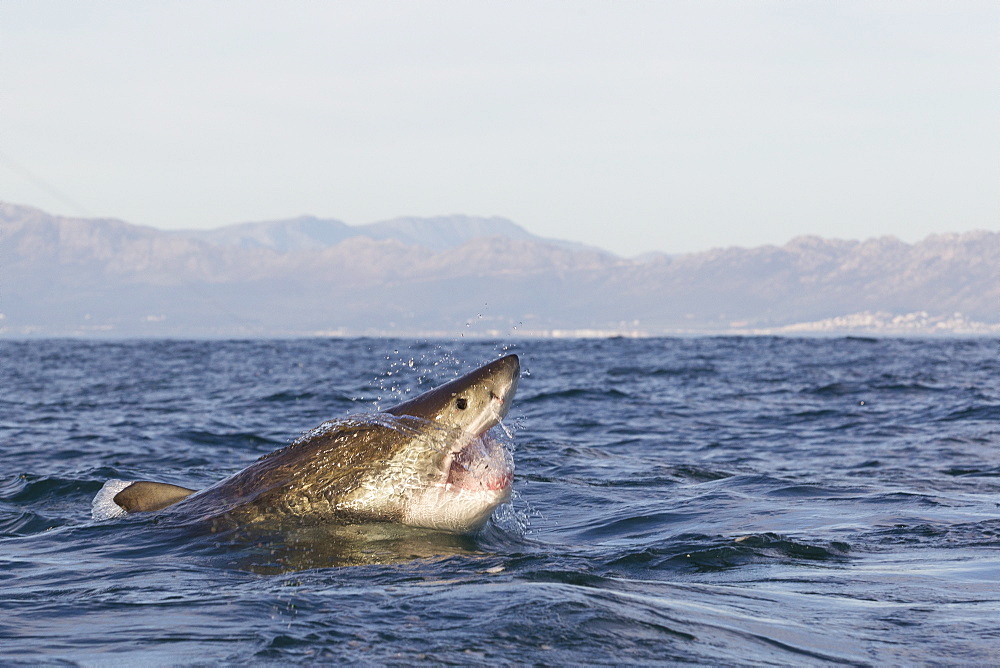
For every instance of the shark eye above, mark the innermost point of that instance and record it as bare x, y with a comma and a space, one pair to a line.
461, 403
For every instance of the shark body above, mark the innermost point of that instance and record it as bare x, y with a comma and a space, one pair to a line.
428, 462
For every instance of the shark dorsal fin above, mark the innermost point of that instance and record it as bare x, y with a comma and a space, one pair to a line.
144, 496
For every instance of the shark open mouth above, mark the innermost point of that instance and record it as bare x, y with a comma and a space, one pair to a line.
482, 465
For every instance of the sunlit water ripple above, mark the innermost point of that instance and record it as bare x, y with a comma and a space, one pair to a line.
714, 500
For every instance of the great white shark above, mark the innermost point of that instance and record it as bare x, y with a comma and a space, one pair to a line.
428, 462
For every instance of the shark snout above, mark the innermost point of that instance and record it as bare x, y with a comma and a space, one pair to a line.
510, 367
508, 372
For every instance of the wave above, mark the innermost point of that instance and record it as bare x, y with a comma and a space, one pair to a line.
663, 372
980, 412
702, 553
575, 393
237, 440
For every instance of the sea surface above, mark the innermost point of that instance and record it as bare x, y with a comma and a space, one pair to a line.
709, 500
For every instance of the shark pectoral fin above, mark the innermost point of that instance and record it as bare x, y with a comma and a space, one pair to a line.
145, 496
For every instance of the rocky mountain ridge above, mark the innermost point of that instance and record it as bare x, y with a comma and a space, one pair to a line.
311, 233
67, 276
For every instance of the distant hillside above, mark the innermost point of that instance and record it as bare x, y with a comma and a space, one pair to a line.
483, 276
310, 233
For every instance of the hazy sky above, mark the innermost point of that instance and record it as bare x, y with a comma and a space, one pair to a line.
633, 126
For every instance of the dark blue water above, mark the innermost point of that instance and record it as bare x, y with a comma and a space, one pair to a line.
717, 500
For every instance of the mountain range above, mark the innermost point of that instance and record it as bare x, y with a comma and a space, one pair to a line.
453, 275
310, 233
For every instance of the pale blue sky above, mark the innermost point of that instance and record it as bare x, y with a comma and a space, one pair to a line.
634, 126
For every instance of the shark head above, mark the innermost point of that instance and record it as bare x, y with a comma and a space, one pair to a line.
473, 403
453, 471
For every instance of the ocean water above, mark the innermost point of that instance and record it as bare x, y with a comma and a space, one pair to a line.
710, 500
